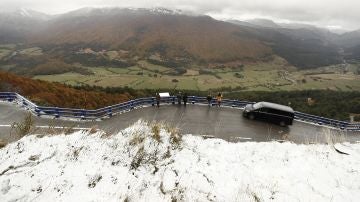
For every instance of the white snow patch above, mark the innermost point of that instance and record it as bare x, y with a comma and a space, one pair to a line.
24, 12
137, 165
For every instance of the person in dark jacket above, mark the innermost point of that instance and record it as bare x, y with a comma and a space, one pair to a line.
179, 96
185, 98
157, 99
209, 99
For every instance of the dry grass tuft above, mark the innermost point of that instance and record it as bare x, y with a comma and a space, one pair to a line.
137, 139
68, 130
139, 157
332, 138
93, 129
75, 152
51, 129
106, 134
175, 137
26, 126
155, 129
2, 143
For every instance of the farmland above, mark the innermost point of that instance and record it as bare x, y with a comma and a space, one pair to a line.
275, 74
252, 77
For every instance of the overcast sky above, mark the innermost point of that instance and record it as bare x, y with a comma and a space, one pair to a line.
327, 13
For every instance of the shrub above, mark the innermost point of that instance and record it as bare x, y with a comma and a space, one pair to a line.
237, 75
357, 118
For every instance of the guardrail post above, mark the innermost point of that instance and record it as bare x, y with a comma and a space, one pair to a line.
38, 111
57, 113
343, 126
110, 112
24, 102
233, 103
153, 102
83, 114
131, 104
193, 100
173, 100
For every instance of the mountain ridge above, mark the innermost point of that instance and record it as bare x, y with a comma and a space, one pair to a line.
177, 37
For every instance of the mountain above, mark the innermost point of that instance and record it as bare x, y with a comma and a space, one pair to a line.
303, 46
349, 39
28, 13
147, 32
263, 23
167, 37
176, 39
16, 26
241, 23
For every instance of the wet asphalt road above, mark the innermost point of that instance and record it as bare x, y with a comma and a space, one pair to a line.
225, 123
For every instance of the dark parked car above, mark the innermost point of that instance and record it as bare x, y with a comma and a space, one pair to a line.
271, 112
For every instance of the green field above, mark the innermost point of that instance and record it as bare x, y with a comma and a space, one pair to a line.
34, 51
4, 53
265, 77
273, 75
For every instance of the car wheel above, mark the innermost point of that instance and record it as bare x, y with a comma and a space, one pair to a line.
251, 116
282, 123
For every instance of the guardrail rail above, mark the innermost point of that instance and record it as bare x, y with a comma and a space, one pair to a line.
109, 111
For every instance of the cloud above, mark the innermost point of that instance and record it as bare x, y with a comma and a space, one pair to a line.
323, 12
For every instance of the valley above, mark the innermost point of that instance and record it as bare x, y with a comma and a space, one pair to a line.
129, 53
160, 49
275, 74
252, 77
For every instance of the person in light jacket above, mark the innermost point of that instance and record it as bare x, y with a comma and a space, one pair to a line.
219, 99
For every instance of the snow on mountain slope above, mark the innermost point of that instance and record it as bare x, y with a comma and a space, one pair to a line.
151, 162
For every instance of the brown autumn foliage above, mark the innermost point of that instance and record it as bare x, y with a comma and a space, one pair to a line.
141, 33
56, 94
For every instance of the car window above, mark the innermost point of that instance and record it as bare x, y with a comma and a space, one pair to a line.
279, 112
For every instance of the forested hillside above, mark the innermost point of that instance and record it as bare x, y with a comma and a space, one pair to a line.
55, 94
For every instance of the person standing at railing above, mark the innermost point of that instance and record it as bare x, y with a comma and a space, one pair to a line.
209, 99
185, 99
219, 99
157, 99
179, 96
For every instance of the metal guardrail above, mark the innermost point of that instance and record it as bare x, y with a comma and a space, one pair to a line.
109, 111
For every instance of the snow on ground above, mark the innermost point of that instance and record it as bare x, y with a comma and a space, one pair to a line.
152, 162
